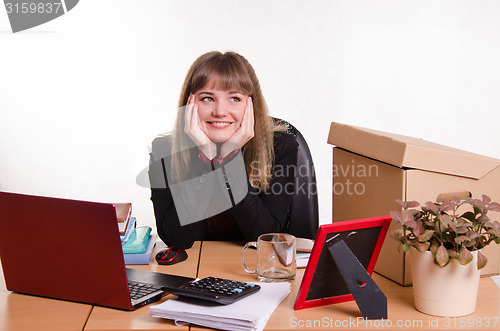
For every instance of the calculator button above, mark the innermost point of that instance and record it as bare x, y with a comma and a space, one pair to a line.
220, 290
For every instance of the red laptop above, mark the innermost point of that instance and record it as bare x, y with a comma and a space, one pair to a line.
71, 250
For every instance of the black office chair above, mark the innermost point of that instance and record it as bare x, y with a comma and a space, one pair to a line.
303, 216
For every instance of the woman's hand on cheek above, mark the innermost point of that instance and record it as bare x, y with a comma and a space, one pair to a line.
192, 127
244, 133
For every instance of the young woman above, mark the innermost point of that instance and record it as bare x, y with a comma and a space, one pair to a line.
228, 167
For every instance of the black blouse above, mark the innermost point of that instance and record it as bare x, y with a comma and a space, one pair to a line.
250, 212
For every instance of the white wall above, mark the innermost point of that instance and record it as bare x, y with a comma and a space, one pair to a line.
82, 96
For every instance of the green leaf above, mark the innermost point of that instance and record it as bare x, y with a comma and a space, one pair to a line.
420, 228
465, 256
432, 207
489, 225
486, 199
407, 204
422, 247
434, 249
445, 219
494, 206
442, 257
461, 239
407, 216
428, 222
405, 247
427, 235
447, 205
396, 216
483, 219
481, 260
479, 204
401, 202
411, 224
397, 234
412, 204
453, 254
471, 243
474, 235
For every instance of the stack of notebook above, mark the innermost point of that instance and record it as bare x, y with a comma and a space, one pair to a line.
137, 242
139, 247
236, 316
304, 247
126, 223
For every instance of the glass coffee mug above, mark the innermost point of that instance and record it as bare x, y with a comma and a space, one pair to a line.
275, 257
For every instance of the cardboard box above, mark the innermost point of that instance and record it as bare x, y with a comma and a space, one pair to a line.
371, 169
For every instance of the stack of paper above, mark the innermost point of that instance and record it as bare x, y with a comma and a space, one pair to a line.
138, 240
496, 279
141, 258
304, 248
302, 258
250, 313
131, 224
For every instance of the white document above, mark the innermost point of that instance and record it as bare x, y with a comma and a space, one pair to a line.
496, 279
302, 258
250, 313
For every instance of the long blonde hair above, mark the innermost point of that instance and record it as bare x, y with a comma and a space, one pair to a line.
228, 71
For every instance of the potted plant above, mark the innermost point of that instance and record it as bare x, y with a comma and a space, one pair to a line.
444, 241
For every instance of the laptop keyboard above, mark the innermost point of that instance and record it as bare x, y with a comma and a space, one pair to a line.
138, 290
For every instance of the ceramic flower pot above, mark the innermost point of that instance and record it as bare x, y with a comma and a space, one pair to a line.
443, 291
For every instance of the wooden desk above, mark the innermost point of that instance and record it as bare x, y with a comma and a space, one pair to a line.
111, 319
19, 312
24, 312
223, 259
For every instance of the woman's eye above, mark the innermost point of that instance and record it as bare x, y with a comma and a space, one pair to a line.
207, 99
235, 99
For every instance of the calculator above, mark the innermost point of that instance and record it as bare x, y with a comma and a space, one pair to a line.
219, 290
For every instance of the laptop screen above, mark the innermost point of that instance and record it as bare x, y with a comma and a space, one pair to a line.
64, 249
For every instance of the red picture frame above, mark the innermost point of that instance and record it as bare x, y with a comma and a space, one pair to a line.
370, 232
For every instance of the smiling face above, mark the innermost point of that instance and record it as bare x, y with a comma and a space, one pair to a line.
220, 112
